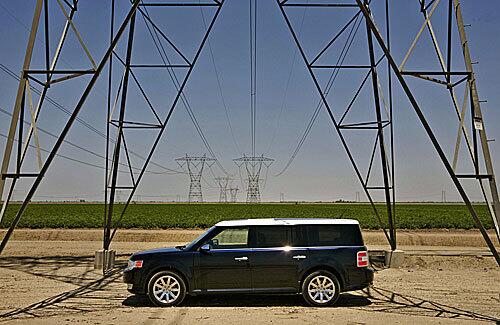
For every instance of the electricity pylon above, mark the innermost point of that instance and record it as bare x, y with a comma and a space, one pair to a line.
253, 166
223, 183
449, 75
47, 73
195, 166
233, 191
377, 122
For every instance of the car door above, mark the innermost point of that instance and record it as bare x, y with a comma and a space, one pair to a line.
273, 260
226, 265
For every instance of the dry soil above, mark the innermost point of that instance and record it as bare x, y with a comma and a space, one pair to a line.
52, 281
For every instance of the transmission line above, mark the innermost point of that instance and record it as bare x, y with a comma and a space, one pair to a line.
76, 160
285, 93
253, 69
85, 124
226, 109
175, 81
12, 74
85, 149
331, 80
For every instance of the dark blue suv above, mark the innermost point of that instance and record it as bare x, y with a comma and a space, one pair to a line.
318, 258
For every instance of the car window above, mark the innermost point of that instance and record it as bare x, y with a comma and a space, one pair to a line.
230, 238
334, 235
299, 236
271, 236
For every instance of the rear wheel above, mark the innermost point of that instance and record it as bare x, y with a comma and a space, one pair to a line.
166, 288
321, 288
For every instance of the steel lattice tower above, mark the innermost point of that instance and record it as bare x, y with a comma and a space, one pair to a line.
379, 65
253, 189
223, 183
233, 191
253, 166
195, 166
253, 163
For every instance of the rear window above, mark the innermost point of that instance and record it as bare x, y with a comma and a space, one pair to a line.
327, 235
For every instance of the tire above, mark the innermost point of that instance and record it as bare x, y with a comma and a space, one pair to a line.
166, 289
321, 288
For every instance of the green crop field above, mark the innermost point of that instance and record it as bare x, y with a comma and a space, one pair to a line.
410, 216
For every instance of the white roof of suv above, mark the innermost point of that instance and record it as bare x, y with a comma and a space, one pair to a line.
286, 222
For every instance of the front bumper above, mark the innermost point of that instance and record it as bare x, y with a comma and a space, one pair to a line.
134, 281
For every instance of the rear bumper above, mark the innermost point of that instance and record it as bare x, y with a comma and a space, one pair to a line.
362, 279
369, 275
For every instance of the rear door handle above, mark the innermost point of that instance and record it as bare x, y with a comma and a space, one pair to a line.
244, 258
299, 257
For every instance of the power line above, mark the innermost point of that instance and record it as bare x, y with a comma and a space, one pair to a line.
175, 81
12, 74
62, 156
20, 22
331, 80
253, 69
226, 110
82, 148
11, 14
285, 93
85, 124
56, 104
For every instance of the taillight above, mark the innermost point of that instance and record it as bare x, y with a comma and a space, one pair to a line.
362, 259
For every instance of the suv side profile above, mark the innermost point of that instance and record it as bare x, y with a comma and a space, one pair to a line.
318, 258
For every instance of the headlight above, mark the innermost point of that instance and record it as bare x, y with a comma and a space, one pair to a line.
134, 265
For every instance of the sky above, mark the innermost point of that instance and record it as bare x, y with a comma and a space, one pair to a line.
286, 98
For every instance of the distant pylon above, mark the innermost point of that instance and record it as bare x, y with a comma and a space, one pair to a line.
234, 192
253, 166
282, 197
223, 183
253, 189
194, 166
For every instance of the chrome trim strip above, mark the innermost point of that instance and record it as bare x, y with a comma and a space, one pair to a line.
283, 248
228, 290
230, 250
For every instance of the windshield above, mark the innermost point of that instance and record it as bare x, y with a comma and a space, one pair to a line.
191, 244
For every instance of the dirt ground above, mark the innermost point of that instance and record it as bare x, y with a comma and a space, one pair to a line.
47, 278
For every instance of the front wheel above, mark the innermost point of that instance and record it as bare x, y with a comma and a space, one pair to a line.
166, 289
321, 288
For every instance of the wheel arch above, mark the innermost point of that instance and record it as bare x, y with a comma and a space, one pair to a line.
162, 268
325, 267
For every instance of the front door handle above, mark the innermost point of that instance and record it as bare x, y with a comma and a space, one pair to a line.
244, 258
299, 257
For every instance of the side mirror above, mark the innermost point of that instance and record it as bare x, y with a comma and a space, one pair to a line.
205, 248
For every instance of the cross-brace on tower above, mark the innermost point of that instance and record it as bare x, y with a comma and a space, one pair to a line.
253, 166
195, 167
176, 63
359, 13
53, 76
223, 183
